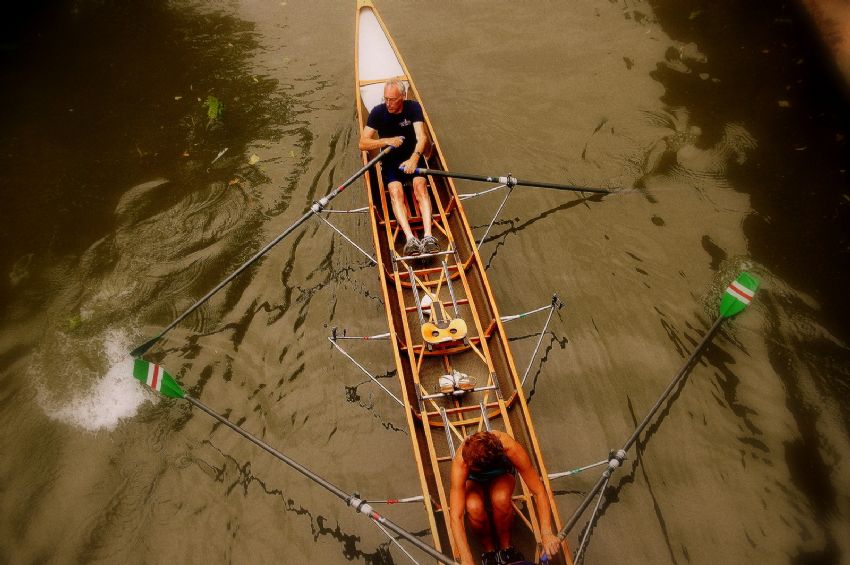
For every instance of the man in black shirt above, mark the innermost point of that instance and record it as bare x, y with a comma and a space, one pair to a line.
400, 123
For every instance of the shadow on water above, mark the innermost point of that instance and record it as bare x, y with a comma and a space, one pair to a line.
796, 106
103, 96
117, 197
761, 64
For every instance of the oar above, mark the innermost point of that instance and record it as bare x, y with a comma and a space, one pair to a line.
512, 181
314, 209
737, 297
159, 380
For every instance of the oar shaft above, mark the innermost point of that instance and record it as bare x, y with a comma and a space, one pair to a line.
268, 448
556, 186
511, 181
360, 505
590, 523
603, 479
676, 380
314, 209
237, 272
615, 461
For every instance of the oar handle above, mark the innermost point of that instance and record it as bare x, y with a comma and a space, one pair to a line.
511, 181
357, 503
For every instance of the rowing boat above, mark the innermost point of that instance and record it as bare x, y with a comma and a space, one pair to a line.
443, 319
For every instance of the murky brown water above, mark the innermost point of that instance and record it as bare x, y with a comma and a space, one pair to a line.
117, 214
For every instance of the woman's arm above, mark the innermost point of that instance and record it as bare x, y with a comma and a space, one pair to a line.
457, 503
520, 459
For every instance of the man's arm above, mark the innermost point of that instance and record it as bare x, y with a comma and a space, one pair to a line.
519, 457
457, 502
369, 140
421, 143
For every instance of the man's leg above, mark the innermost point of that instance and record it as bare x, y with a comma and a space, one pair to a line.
397, 201
420, 191
476, 515
501, 493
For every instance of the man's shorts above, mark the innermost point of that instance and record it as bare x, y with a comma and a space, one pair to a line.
392, 173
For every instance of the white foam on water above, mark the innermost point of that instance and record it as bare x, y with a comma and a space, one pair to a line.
111, 398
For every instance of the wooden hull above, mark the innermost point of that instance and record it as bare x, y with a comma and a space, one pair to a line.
438, 423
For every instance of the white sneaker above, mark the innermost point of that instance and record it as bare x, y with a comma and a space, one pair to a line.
463, 381
446, 384
456, 382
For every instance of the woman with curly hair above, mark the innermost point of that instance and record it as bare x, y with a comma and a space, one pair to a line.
483, 478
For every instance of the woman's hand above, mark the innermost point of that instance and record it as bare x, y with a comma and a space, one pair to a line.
551, 544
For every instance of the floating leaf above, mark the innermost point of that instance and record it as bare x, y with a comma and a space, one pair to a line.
214, 108
254, 159
784, 104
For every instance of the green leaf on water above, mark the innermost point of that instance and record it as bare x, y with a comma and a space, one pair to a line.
214, 107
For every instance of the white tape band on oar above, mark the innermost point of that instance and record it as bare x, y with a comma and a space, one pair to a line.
740, 292
154, 377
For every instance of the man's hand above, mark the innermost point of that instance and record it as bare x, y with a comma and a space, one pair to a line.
551, 544
410, 164
394, 141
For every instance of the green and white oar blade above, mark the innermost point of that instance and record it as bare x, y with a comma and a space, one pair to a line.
738, 295
157, 378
